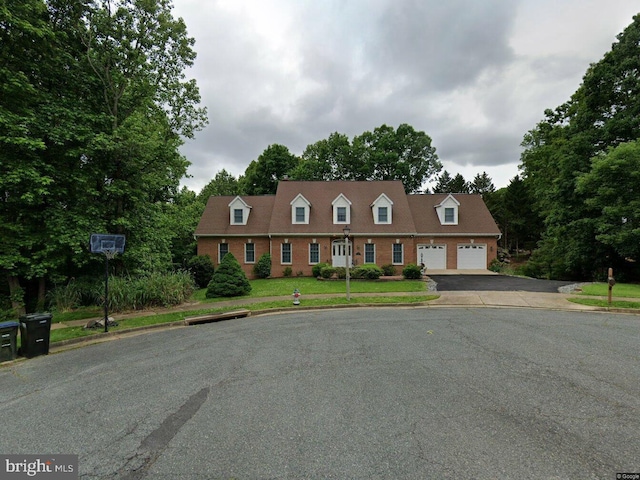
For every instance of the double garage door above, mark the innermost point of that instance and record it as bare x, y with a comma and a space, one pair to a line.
470, 256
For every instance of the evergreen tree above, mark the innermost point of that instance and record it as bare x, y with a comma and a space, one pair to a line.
229, 280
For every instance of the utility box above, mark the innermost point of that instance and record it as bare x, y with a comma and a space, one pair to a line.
35, 330
8, 341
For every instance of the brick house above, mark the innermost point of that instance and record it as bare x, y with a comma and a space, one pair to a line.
302, 225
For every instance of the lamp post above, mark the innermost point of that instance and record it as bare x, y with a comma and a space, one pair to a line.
346, 230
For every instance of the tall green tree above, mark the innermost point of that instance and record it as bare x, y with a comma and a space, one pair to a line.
613, 189
385, 154
222, 184
94, 103
262, 175
604, 112
481, 184
329, 159
443, 184
397, 154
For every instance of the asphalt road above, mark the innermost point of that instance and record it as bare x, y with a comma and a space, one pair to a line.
354, 393
495, 283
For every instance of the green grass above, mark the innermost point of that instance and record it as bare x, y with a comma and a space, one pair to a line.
629, 290
594, 302
273, 287
77, 314
61, 334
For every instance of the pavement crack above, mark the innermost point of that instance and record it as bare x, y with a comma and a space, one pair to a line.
154, 444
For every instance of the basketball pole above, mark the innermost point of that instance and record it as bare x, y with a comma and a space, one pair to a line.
106, 292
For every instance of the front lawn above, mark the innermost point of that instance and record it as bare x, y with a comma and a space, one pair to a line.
58, 335
275, 287
595, 302
627, 290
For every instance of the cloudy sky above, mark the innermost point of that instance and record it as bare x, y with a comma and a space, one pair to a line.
475, 75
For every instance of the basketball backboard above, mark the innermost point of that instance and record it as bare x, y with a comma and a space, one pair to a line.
107, 243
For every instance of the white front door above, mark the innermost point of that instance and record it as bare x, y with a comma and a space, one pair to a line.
338, 253
433, 257
472, 257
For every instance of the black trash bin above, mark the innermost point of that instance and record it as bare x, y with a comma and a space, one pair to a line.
8, 341
35, 330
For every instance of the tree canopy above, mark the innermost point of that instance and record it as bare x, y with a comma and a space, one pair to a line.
384, 154
94, 104
603, 113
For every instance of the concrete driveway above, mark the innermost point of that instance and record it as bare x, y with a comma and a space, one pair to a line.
494, 283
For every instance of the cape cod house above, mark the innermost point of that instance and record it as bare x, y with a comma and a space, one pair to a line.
302, 225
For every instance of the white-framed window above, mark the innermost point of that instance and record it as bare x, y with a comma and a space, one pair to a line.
300, 210
314, 253
369, 253
249, 253
285, 253
383, 215
239, 211
341, 210
449, 215
382, 209
223, 249
398, 254
448, 210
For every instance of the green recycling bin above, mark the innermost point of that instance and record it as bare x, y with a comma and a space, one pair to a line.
35, 330
8, 341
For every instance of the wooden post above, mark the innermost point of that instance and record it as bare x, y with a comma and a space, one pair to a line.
612, 282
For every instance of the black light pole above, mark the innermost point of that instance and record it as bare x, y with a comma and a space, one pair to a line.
346, 230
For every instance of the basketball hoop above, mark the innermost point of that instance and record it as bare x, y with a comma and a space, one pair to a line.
110, 253
110, 245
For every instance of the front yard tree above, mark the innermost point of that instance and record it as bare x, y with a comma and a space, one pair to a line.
229, 280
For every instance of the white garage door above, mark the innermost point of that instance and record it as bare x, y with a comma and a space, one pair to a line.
472, 257
434, 257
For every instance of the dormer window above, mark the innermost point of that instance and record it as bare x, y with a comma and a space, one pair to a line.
300, 209
341, 210
238, 212
447, 211
382, 209
449, 215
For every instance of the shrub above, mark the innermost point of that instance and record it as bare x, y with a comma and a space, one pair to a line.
317, 268
496, 265
64, 298
202, 269
327, 272
412, 272
388, 270
287, 272
341, 272
262, 269
150, 290
368, 272
229, 280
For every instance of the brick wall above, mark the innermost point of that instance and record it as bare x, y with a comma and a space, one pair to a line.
300, 250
